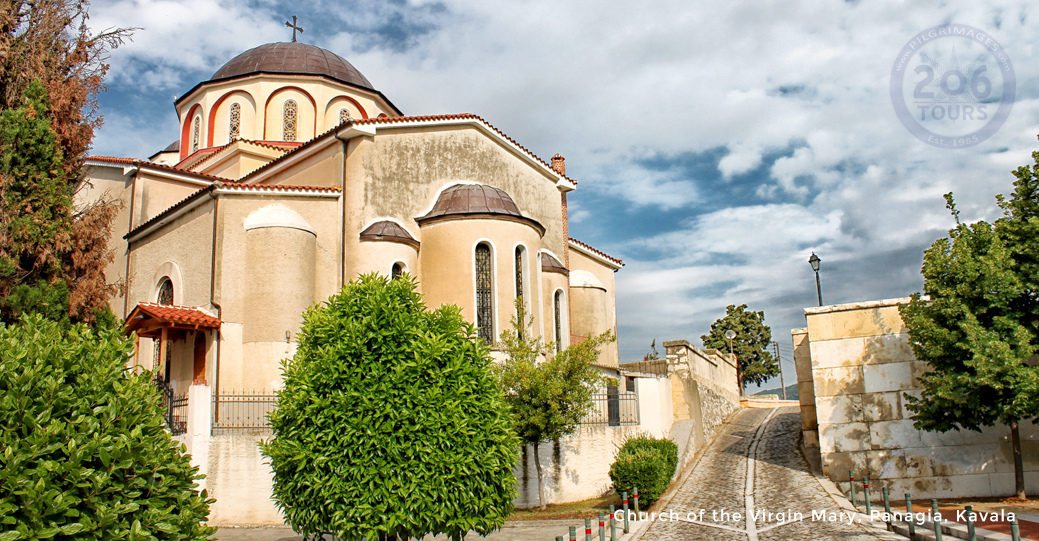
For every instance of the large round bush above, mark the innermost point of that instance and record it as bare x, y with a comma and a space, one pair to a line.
83, 449
389, 423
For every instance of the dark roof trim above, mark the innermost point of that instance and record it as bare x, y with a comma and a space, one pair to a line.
424, 221
551, 264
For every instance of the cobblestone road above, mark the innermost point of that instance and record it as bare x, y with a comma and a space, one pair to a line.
713, 502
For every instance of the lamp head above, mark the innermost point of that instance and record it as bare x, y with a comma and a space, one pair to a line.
814, 260
730, 334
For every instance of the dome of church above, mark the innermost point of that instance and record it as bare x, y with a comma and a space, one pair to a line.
473, 199
292, 59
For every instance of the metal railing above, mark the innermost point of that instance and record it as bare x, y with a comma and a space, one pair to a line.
243, 412
174, 408
613, 408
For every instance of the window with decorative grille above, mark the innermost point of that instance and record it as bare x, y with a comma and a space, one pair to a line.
484, 296
195, 132
396, 271
289, 120
558, 307
235, 122
519, 287
344, 115
165, 292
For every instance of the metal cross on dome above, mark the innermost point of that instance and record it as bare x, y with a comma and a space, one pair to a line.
294, 28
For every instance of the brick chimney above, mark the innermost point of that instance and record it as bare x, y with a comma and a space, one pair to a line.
559, 164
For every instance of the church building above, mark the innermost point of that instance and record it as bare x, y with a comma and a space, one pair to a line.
292, 175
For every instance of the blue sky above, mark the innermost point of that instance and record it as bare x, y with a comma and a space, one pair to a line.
717, 144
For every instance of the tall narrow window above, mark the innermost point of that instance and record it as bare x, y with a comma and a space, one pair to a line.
558, 308
519, 289
289, 119
484, 297
396, 271
235, 122
344, 115
165, 296
195, 131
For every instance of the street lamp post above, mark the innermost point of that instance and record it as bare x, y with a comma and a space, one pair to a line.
730, 334
814, 261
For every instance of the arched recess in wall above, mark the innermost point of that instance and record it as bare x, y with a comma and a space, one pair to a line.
559, 312
332, 116
274, 111
171, 271
220, 115
280, 268
185, 132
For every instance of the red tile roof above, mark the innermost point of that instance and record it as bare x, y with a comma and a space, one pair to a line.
183, 315
593, 250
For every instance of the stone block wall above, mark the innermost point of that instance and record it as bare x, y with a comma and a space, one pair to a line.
862, 367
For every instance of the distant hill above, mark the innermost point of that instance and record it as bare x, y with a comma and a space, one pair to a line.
791, 392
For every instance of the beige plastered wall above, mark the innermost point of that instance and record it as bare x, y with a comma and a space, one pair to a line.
265, 280
447, 262
182, 252
154, 194
594, 311
111, 183
862, 368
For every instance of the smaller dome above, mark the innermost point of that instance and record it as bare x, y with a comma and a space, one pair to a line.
477, 201
551, 264
389, 232
473, 199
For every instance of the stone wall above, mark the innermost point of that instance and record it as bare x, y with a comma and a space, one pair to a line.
704, 393
862, 368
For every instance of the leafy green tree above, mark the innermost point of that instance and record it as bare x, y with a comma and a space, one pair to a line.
390, 424
755, 363
85, 450
978, 326
547, 394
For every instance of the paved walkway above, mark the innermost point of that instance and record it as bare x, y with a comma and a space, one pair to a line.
529, 530
752, 484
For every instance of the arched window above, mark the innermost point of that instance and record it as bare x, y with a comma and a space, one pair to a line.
289, 118
235, 121
558, 309
396, 271
196, 130
484, 293
165, 295
344, 115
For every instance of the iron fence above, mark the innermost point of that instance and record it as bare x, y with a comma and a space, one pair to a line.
613, 408
243, 413
174, 407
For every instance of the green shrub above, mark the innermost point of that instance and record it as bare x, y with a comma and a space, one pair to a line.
83, 450
389, 423
646, 463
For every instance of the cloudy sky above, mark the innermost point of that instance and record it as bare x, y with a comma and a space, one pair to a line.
717, 144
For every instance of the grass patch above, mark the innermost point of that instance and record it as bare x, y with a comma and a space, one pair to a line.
573, 510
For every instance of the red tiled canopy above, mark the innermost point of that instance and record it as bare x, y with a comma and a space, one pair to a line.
148, 319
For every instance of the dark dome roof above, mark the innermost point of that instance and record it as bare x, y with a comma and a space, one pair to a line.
390, 232
473, 199
294, 59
